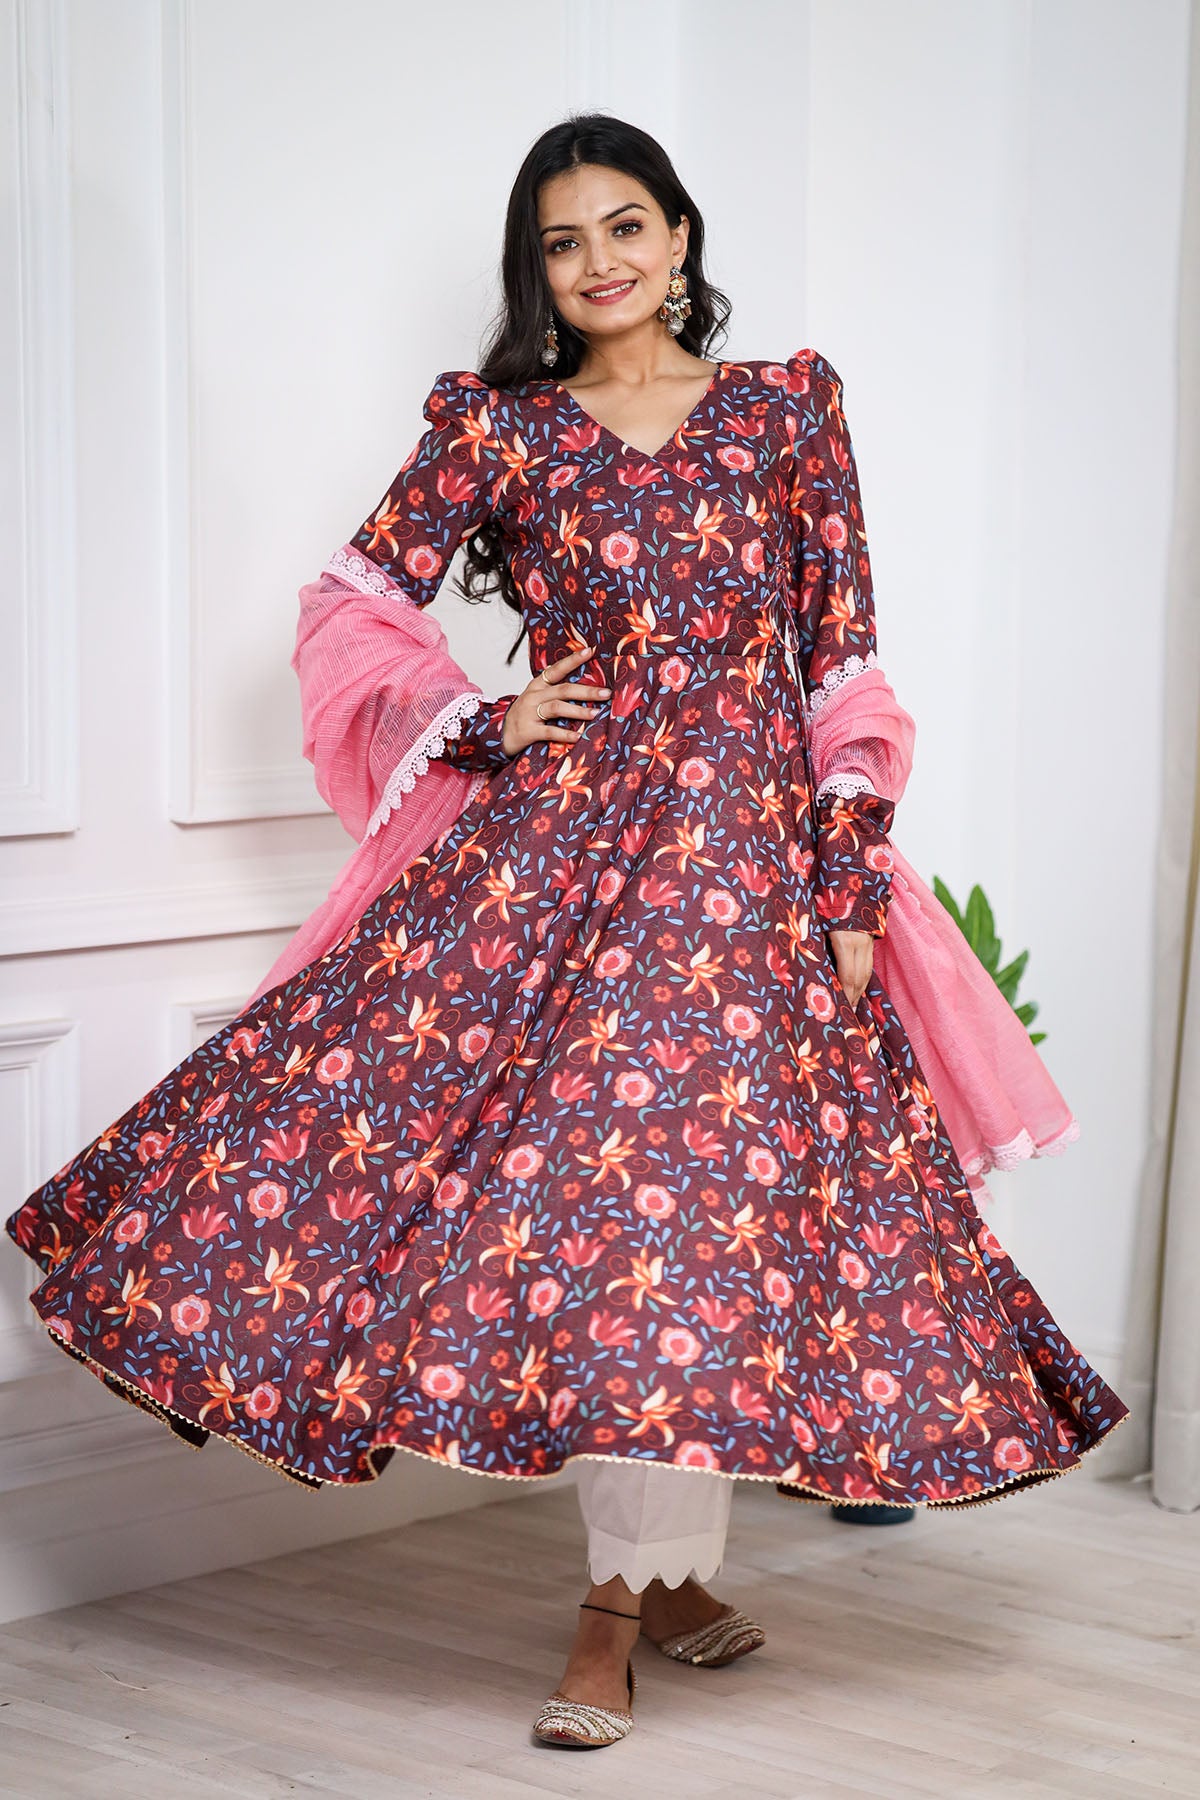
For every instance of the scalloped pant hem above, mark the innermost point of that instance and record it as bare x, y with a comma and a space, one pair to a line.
646, 1522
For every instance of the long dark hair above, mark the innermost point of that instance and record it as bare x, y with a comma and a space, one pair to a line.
512, 351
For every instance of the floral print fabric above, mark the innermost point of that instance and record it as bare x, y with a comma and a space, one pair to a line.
573, 1146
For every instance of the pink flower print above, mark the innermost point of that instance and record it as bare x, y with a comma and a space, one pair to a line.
422, 562
824, 1414
359, 1308
752, 878
132, 1228
777, 375
307, 1009
571, 1088
834, 533
268, 1199
335, 1065
692, 1454
285, 1145
633, 1088
487, 1302
716, 1314
721, 907
442, 1382
151, 1144
562, 477
1012, 1454
820, 1002
580, 1252
736, 457
473, 1042
881, 1241
619, 549
752, 556
653, 1201
748, 1401
562, 1405
347, 1204
926, 1321
612, 1330
611, 963
741, 1021
879, 1386
521, 1162
762, 1165
694, 772
777, 1288
450, 1192
803, 1433
608, 888
202, 1223
263, 1401
834, 1122
853, 1270
679, 1345
674, 673
244, 1042
671, 1056
879, 857
190, 1314
544, 1296
654, 891
535, 588
702, 1142
417, 958
533, 977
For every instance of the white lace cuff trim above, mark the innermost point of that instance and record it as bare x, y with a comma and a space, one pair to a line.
845, 785
833, 679
1020, 1149
432, 741
359, 572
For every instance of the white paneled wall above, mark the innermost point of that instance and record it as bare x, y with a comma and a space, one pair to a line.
242, 242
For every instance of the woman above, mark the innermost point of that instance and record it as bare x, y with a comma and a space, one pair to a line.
578, 1123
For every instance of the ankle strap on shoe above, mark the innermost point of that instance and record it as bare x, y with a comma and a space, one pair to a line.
592, 1607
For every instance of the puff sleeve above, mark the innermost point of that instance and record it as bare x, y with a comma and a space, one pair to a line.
444, 490
835, 614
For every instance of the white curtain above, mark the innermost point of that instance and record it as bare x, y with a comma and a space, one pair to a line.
1161, 1378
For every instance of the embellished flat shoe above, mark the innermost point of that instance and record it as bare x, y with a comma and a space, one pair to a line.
576, 1724
711, 1646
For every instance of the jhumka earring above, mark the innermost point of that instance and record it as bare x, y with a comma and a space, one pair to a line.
550, 343
676, 307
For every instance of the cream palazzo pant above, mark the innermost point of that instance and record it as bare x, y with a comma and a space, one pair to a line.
648, 1519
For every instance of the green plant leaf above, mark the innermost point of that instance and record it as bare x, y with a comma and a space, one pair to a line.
1008, 978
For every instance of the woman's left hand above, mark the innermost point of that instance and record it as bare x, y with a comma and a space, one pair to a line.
854, 954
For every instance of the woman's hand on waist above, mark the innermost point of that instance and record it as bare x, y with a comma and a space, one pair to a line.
557, 698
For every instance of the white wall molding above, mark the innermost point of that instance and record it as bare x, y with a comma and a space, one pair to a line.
192, 1021
39, 680
39, 1126
235, 907
199, 792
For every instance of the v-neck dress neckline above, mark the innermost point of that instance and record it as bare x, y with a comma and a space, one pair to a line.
633, 449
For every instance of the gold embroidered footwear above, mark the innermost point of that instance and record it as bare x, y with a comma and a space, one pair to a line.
731, 1635
577, 1725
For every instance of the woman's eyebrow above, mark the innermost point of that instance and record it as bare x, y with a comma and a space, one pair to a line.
603, 220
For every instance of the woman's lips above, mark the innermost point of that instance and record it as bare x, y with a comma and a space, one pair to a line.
601, 297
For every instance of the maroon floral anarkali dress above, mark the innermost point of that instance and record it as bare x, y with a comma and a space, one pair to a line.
573, 1145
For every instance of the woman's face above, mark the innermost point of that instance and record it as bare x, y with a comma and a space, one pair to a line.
608, 249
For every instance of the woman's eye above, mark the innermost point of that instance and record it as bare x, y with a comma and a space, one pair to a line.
566, 243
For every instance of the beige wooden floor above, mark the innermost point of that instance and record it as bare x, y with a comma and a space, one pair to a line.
1045, 1645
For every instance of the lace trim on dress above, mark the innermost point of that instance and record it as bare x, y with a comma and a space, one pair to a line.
833, 679
1020, 1149
359, 572
432, 741
845, 785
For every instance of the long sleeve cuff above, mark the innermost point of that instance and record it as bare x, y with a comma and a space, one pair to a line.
854, 862
478, 744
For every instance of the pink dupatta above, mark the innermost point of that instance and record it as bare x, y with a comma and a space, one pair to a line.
992, 1089
380, 695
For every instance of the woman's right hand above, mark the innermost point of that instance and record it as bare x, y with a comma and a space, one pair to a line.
557, 698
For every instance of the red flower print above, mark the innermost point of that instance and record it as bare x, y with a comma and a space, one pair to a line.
671, 1056
762, 1165
284, 1145
695, 772
721, 907
263, 1401
653, 1201
619, 549
562, 1405
202, 1223
777, 1288
748, 1401
580, 1252
1011, 1454
820, 1002
741, 1021
522, 1162
880, 1387
131, 1229
834, 1122
632, 1088
679, 1345
694, 1454
488, 1302
882, 1241
853, 1270
422, 562
612, 1330
359, 1308
543, 1296
674, 673
190, 1314
268, 1200
923, 1320
442, 1382
348, 1204
152, 1144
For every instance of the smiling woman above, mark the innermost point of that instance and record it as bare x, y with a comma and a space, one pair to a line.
578, 1126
